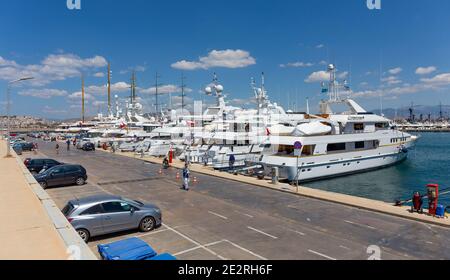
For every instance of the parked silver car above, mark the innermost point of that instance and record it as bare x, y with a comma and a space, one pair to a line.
104, 214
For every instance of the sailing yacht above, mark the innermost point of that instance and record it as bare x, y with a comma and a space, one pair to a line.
330, 144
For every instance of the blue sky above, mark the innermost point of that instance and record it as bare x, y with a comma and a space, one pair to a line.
408, 40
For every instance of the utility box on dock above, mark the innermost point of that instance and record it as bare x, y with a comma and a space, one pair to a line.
433, 197
275, 175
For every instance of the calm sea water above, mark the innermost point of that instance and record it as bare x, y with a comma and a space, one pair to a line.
428, 163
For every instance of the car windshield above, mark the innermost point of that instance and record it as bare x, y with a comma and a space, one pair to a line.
68, 209
134, 202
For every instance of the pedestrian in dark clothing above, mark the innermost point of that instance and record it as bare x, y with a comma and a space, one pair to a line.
186, 177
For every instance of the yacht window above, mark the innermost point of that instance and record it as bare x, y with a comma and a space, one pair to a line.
285, 150
376, 144
360, 145
381, 125
358, 126
336, 147
308, 150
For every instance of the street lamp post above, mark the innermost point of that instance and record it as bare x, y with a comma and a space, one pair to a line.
8, 108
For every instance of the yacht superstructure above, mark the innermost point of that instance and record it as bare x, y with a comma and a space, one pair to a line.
330, 144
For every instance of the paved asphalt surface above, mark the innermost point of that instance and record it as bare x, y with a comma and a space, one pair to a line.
221, 219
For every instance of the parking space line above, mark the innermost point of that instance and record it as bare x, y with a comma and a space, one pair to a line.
322, 255
198, 247
250, 216
246, 250
152, 233
357, 224
195, 242
217, 215
262, 232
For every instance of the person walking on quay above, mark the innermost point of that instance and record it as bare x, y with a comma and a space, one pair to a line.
232, 161
57, 148
186, 177
68, 144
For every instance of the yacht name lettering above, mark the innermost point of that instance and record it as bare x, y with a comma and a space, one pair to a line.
356, 118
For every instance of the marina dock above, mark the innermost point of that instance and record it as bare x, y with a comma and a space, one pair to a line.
225, 216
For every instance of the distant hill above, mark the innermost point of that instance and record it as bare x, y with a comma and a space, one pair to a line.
403, 112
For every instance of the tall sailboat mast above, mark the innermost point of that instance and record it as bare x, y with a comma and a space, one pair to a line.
82, 99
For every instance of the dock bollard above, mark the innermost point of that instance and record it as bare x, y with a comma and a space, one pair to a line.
275, 175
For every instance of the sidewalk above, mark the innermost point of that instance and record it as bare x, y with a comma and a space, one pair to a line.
32, 227
348, 200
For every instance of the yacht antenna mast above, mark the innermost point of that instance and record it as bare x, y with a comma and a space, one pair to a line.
183, 86
157, 76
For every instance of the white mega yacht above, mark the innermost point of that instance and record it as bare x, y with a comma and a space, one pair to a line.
330, 144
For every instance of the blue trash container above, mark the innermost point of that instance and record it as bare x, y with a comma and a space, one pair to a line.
440, 211
127, 250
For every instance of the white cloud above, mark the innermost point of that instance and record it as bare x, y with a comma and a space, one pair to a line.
218, 58
43, 93
297, 64
77, 96
103, 90
99, 75
54, 67
438, 80
320, 76
320, 46
395, 71
425, 70
343, 75
165, 89
391, 80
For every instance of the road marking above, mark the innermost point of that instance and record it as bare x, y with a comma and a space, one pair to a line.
152, 233
195, 242
357, 224
298, 232
262, 232
246, 250
218, 215
295, 231
343, 247
322, 255
247, 215
198, 247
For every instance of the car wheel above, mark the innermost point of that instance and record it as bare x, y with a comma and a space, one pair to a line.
84, 234
44, 185
80, 181
147, 224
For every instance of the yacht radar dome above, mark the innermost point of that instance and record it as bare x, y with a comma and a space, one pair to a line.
219, 88
331, 67
208, 90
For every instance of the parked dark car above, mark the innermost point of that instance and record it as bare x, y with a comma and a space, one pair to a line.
88, 147
35, 166
62, 175
26, 146
18, 149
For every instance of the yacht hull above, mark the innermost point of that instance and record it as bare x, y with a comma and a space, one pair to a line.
336, 165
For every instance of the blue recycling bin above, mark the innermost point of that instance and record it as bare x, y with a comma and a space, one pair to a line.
126, 250
163, 257
440, 211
